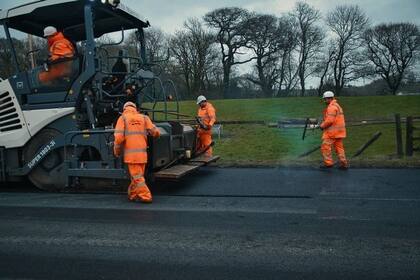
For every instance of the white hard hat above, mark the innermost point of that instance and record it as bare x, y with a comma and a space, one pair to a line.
200, 99
49, 30
328, 94
129, 103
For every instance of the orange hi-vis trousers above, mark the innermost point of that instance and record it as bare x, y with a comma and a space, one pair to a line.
326, 150
55, 71
203, 141
138, 189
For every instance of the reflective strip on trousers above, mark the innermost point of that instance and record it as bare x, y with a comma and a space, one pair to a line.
129, 151
135, 133
138, 176
126, 132
139, 185
327, 151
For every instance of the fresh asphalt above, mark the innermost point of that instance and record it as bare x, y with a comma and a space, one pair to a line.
221, 223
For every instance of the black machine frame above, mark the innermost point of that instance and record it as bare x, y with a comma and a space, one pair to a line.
87, 88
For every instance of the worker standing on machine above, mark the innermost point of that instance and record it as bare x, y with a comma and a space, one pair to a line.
60, 48
334, 131
131, 134
206, 118
119, 71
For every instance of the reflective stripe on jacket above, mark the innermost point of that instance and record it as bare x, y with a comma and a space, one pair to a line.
207, 115
60, 47
131, 134
334, 125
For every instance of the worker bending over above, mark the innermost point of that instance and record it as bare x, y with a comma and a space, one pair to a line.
60, 48
131, 134
207, 118
334, 131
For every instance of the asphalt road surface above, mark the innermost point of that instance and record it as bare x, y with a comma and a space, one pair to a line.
221, 224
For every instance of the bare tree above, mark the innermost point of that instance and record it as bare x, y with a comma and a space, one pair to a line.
180, 49
6, 61
39, 50
269, 38
156, 44
323, 68
202, 52
214, 71
156, 51
289, 74
287, 65
392, 49
263, 38
192, 50
347, 23
309, 40
229, 23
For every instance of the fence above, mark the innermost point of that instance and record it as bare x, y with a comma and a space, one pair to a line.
412, 139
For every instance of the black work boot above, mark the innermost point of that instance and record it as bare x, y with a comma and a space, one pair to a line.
325, 167
343, 167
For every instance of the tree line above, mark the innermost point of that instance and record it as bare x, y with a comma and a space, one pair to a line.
281, 54
285, 52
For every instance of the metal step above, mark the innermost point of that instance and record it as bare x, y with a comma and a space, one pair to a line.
2, 164
174, 173
204, 159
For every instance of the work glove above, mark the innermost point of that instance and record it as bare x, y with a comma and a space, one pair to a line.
117, 150
314, 126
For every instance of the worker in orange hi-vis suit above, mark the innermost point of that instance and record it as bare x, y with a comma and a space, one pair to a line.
207, 116
334, 131
59, 48
130, 135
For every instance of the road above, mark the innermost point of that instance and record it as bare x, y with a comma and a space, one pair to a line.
221, 224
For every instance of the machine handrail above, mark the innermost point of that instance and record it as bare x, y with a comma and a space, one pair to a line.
116, 43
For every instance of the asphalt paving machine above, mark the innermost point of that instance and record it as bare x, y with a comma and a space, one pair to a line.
60, 134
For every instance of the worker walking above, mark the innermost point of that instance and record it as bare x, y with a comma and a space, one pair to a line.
60, 48
334, 131
131, 134
207, 118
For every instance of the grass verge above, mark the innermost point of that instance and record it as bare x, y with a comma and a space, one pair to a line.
259, 145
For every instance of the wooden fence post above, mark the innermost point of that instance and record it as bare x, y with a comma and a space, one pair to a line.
409, 140
398, 132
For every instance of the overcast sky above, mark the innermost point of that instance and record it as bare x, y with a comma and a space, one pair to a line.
170, 14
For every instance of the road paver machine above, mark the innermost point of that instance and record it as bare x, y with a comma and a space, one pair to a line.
60, 134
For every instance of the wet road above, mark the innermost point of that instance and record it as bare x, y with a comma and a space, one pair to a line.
222, 224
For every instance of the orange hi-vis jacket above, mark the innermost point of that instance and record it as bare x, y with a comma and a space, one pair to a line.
131, 134
334, 125
60, 47
207, 115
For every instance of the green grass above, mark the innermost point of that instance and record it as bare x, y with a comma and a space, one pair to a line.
245, 144
302, 107
261, 145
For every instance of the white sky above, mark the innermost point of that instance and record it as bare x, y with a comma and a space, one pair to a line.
170, 15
